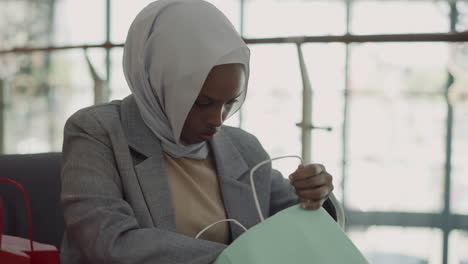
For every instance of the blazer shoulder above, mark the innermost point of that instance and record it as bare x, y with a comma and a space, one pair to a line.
238, 134
95, 120
96, 113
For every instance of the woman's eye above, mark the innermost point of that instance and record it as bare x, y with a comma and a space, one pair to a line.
201, 103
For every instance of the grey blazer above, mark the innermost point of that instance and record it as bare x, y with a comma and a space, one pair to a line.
116, 197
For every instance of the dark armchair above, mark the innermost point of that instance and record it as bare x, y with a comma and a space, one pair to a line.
40, 176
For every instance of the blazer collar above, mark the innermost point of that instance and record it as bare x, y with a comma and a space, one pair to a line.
237, 195
229, 161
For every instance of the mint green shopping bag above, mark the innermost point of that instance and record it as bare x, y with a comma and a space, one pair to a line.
294, 235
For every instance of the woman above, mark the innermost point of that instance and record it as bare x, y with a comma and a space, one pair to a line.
143, 175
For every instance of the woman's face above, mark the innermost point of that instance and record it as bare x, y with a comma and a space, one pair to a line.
220, 91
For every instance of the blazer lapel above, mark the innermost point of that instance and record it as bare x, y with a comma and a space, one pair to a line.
237, 195
151, 172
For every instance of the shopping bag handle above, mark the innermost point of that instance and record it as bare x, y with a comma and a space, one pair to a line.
1, 221
28, 210
254, 191
217, 222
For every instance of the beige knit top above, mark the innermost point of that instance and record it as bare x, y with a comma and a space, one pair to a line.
196, 198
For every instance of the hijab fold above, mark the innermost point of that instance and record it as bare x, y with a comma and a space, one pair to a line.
171, 47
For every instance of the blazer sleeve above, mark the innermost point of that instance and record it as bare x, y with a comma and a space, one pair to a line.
282, 195
99, 222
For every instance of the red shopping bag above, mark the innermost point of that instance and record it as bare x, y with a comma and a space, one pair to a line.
17, 250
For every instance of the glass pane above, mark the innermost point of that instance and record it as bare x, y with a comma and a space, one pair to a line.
231, 9
42, 94
397, 127
462, 7
118, 85
122, 14
25, 23
458, 96
395, 68
458, 243
79, 22
272, 18
396, 154
273, 104
325, 63
459, 196
124, 11
386, 17
402, 245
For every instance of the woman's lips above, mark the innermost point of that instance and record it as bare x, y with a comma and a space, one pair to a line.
207, 136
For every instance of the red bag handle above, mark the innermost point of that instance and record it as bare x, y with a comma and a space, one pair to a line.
1, 221
28, 211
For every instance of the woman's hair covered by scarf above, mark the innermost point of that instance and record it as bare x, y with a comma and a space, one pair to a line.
170, 49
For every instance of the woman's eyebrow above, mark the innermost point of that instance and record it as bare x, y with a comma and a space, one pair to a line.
205, 97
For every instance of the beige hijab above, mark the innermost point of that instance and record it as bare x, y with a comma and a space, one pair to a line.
171, 47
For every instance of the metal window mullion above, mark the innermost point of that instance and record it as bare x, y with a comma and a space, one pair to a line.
242, 18
447, 227
51, 93
423, 37
406, 219
344, 135
306, 124
241, 31
106, 92
446, 214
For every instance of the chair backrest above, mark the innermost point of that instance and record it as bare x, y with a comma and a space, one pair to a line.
40, 176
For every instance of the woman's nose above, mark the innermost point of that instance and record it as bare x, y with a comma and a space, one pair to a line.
216, 117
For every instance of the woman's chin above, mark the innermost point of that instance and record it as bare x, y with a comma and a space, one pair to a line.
192, 141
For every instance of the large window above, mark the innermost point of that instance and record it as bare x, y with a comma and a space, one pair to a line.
390, 118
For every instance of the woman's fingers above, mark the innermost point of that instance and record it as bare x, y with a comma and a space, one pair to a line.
304, 172
311, 205
313, 181
315, 194
312, 184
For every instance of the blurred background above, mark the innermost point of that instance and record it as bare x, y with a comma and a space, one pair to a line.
377, 90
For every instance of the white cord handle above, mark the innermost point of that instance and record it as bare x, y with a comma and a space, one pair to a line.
217, 222
254, 191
